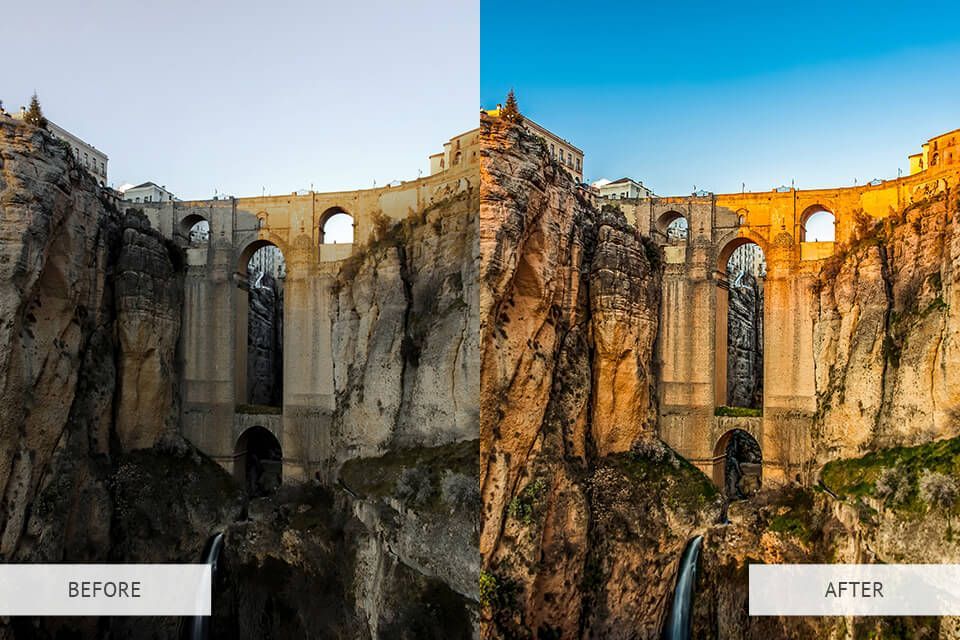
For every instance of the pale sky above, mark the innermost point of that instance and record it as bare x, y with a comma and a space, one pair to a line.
250, 97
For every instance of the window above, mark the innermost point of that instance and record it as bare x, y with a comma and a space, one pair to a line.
561, 156
578, 164
553, 152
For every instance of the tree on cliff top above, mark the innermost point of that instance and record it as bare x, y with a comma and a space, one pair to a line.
34, 113
510, 109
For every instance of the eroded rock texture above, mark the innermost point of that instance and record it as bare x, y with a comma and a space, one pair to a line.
93, 469
569, 300
265, 342
886, 340
745, 343
405, 334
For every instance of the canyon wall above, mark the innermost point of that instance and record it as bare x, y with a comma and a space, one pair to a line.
745, 343
887, 336
94, 467
572, 475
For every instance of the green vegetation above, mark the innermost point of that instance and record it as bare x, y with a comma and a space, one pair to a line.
258, 409
34, 113
799, 519
488, 589
523, 505
426, 477
660, 471
902, 477
738, 412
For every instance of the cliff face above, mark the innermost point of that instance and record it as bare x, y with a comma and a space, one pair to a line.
568, 314
265, 342
886, 340
91, 301
93, 467
745, 343
404, 334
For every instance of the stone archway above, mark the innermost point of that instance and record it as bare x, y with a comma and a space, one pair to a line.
261, 272
337, 226
737, 464
258, 461
739, 348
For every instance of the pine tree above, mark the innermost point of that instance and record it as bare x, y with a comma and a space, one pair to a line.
510, 109
35, 114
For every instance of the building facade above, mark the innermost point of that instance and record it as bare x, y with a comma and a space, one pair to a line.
943, 150
459, 151
87, 155
146, 192
622, 189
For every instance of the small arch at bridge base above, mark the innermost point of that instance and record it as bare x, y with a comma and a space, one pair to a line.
258, 461
737, 464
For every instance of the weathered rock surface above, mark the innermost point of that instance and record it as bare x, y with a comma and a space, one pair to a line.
745, 343
405, 334
93, 466
265, 342
568, 314
887, 339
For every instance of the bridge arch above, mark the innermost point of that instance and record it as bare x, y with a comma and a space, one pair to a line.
817, 224
258, 461
739, 347
336, 226
195, 229
673, 225
259, 326
737, 464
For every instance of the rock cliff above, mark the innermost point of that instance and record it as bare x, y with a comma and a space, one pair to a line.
94, 469
887, 339
586, 512
569, 299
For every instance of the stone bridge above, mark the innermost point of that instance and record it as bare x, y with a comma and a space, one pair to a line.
215, 409
692, 345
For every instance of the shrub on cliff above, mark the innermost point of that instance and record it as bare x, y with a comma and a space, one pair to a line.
414, 486
34, 113
892, 486
938, 489
460, 491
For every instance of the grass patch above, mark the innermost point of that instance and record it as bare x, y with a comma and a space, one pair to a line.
857, 477
669, 476
378, 477
738, 412
258, 409
799, 519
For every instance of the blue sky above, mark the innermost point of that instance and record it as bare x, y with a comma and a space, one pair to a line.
714, 95
249, 96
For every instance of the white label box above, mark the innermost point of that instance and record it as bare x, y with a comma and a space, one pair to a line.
105, 589
854, 589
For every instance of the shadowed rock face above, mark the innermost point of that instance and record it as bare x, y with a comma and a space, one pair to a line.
93, 468
569, 301
745, 343
265, 343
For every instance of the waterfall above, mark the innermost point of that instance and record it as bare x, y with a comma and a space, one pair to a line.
198, 627
678, 623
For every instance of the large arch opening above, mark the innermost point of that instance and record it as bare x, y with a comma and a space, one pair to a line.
259, 349
737, 464
818, 224
336, 227
739, 330
258, 461
196, 229
674, 226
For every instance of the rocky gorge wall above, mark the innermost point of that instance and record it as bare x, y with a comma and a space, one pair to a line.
887, 336
94, 467
586, 512
571, 472
745, 343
